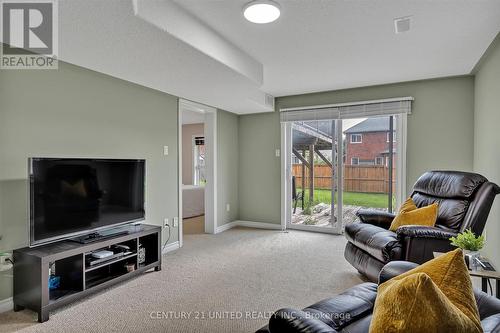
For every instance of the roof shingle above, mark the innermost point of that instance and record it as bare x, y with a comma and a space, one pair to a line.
377, 124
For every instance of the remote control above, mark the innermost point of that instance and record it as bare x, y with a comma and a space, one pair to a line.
485, 265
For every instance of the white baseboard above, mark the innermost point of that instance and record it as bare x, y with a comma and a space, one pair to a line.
248, 224
171, 247
230, 225
226, 226
259, 225
6, 304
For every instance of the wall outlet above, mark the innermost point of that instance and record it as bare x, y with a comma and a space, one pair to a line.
278, 153
5, 264
176, 221
228, 207
165, 222
165, 150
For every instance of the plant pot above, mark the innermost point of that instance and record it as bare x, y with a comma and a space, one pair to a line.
470, 259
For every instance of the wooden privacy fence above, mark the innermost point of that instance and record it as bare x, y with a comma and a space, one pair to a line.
357, 178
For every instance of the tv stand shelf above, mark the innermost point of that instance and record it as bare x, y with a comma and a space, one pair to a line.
109, 262
77, 278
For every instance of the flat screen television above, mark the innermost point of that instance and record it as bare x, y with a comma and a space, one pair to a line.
71, 197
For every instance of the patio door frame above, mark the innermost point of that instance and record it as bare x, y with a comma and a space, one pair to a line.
286, 184
286, 174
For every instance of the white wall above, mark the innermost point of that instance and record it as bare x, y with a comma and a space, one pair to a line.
187, 150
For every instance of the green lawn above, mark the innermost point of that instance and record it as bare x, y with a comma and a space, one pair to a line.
373, 200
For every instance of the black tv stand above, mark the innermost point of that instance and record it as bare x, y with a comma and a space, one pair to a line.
95, 237
78, 272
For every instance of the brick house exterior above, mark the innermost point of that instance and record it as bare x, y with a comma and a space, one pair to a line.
367, 143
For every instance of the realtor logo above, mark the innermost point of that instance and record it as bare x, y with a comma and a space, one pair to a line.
29, 34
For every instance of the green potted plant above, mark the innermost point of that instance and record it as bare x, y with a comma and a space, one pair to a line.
470, 244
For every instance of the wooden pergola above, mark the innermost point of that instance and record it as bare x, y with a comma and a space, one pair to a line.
313, 139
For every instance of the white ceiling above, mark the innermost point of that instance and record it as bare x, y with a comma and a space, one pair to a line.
315, 45
106, 36
331, 44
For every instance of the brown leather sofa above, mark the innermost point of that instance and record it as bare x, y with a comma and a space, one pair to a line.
351, 311
464, 199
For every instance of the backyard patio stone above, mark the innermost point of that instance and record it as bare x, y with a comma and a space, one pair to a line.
320, 216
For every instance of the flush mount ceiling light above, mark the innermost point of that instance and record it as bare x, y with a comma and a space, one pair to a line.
261, 11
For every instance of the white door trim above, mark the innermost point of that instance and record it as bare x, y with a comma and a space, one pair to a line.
286, 185
286, 190
211, 170
339, 164
210, 134
402, 138
179, 172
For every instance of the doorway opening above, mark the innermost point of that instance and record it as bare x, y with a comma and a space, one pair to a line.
197, 165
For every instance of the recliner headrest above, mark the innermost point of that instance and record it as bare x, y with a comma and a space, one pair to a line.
449, 184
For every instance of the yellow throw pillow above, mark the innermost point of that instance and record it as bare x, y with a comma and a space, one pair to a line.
417, 305
425, 216
407, 206
437, 296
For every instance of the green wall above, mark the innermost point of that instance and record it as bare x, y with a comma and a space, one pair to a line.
440, 136
227, 167
259, 168
77, 112
487, 136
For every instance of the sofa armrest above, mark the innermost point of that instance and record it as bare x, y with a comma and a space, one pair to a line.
420, 243
291, 320
395, 268
486, 304
375, 217
491, 324
417, 231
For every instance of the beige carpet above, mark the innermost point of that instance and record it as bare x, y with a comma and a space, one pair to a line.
240, 272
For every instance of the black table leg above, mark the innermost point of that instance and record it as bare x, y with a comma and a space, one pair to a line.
43, 316
484, 284
18, 308
497, 287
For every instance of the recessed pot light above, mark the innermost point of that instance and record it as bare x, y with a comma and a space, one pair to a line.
261, 11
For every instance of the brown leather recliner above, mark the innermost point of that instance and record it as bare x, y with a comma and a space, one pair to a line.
464, 200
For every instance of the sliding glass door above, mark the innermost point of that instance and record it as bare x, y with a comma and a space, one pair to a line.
335, 167
313, 164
